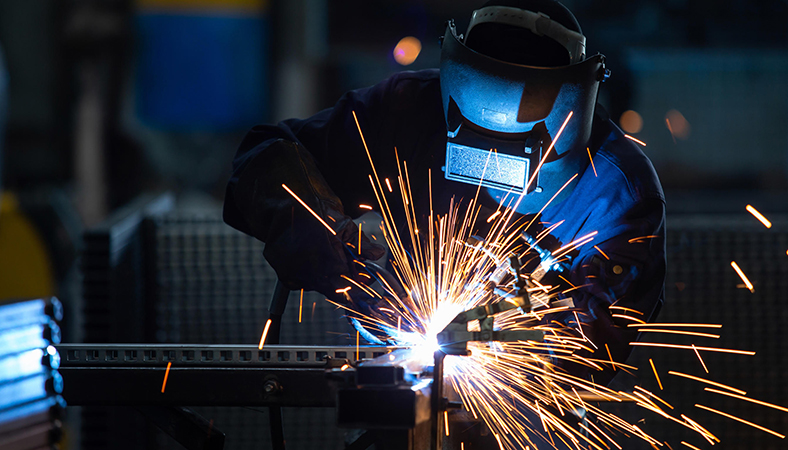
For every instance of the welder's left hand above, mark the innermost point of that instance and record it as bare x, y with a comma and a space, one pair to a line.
309, 240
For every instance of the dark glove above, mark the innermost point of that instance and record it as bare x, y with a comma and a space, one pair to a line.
303, 251
375, 310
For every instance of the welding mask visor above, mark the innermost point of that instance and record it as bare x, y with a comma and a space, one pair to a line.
504, 119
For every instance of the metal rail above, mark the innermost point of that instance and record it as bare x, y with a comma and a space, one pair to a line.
207, 375
194, 355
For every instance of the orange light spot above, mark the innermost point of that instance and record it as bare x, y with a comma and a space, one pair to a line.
677, 124
407, 50
362, 206
388, 185
343, 290
690, 445
631, 122
166, 374
759, 216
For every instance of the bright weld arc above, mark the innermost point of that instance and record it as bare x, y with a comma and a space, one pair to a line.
166, 374
759, 216
431, 277
310, 210
636, 140
742, 276
265, 333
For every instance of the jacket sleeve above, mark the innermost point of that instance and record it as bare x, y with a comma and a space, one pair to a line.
323, 161
330, 138
618, 282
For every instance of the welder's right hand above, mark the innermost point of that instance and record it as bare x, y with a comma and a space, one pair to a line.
306, 252
374, 308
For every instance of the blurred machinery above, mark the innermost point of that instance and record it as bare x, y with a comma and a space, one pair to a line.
30, 384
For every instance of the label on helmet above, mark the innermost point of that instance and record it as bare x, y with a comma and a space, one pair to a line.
486, 167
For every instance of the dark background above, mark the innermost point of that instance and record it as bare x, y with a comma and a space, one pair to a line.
111, 99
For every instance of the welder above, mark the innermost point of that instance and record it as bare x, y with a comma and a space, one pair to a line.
519, 81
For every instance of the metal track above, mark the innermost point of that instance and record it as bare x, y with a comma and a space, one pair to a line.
207, 375
193, 355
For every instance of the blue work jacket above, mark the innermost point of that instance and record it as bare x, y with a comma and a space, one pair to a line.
620, 273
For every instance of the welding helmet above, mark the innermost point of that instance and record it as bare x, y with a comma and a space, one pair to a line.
519, 111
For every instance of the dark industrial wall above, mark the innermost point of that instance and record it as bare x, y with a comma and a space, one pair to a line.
110, 99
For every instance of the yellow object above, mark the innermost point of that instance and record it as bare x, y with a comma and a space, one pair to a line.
25, 267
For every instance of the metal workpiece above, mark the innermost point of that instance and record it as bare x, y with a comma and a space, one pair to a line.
223, 356
392, 392
455, 337
210, 375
